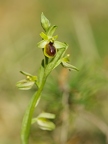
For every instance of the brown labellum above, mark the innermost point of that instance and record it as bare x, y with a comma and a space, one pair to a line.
50, 50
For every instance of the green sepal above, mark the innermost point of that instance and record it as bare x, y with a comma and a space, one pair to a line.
69, 66
47, 115
51, 30
29, 76
43, 121
25, 84
45, 124
45, 22
59, 45
42, 44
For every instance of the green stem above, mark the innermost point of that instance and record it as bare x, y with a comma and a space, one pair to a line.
30, 109
29, 113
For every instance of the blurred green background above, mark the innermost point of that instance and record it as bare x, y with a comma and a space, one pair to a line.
82, 111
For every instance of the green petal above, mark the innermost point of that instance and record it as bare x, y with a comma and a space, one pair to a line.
25, 73
43, 36
42, 44
58, 44
55, 37
45, 22
51, 30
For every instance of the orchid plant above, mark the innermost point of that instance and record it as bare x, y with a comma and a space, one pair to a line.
54, 55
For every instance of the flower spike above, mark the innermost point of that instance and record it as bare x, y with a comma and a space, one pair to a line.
54, 52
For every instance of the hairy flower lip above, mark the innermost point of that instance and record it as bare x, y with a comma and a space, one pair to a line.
50, 50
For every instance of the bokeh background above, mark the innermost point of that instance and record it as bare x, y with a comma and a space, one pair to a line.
79, 99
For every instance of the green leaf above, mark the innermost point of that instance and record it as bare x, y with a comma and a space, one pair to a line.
45, 22
69, 66
57, 64
51, 30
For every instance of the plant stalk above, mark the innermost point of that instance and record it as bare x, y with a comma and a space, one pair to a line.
26, 124
30, 109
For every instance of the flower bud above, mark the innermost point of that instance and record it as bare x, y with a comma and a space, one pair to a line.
25, 84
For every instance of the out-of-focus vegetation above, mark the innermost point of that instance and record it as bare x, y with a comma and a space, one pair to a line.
79, 99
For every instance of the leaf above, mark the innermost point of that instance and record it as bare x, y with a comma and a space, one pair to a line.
45, 22
57, 64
